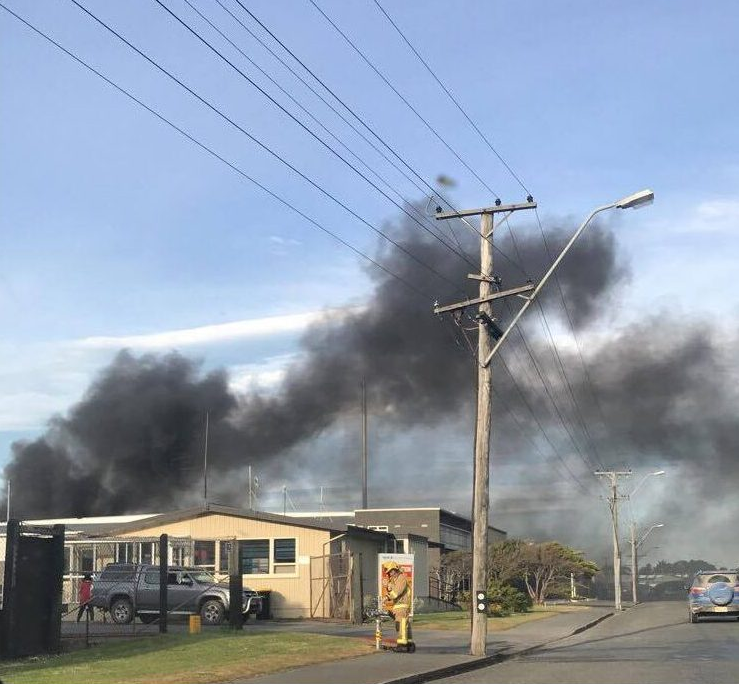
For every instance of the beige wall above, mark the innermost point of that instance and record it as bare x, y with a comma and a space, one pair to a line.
290, 592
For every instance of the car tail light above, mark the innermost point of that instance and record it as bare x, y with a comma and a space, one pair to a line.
696, 591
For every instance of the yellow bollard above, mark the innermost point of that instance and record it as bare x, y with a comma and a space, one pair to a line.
195, 624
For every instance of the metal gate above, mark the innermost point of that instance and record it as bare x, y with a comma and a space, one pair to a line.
32, 590
331, 586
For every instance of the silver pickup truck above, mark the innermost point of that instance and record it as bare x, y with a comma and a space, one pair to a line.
129, 590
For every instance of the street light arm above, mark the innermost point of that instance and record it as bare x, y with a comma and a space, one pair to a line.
543, 281
646, 534
643, 480
638, 486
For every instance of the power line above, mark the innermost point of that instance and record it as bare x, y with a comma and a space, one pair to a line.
314, 118
453, 99
288, 113
403, 98
509, 410
213, 153
351, 111
571, 324
526, 402
263, 145
553, 346
520, 182
323, 99
575, 403
523, 186
549, 393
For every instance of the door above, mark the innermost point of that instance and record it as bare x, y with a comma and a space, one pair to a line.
147, 596
181, 593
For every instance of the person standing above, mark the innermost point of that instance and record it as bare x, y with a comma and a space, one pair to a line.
84, 596
400, 595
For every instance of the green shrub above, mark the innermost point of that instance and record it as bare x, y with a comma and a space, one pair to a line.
504, 599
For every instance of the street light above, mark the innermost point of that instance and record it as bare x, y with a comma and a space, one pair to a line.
638, 199
634, 544
646, 534
644, 479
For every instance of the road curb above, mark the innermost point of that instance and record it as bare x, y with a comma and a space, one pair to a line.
487, 661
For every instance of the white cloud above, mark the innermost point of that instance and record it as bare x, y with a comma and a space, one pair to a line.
284, 242
720, 215
716, 215
41, 379
264, 375
207, 334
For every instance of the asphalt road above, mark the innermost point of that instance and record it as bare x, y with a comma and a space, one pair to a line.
652, 643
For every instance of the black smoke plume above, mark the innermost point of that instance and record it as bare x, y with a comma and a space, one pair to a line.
662, 391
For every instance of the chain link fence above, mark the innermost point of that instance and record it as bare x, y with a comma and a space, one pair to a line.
112, 588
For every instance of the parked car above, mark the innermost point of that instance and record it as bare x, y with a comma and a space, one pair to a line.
129, 590
713, 593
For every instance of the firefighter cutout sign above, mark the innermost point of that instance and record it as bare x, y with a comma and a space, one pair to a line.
395, 575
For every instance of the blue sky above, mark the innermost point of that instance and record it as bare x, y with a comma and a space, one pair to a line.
114, 226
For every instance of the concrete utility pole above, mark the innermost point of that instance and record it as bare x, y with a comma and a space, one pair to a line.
634, 566
364, 443
488, 332
491, 337
613, 500
634, 549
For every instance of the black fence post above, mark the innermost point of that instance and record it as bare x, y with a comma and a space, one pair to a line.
235, 588
163, 568
54, 636
9, 630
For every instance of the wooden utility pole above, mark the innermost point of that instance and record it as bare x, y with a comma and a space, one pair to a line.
634, 564
613, 500
489, 332
364, 443
205, 460
480, 488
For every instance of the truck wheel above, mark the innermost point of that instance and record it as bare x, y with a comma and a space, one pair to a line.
121, 611
212, 612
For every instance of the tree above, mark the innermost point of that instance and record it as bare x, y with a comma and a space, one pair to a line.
547, 563
454, 569
682, 568
505, 561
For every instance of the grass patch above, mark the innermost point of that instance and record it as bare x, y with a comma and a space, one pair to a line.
460, 620
184, 659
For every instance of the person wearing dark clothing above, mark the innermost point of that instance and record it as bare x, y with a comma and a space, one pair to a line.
84, 596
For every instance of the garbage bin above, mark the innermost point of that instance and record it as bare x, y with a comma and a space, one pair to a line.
265, 613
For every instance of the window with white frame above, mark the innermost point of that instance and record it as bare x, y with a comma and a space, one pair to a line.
125, 552
283, 556
224, 557
254, 554
261, 556
179, 556
204, 553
